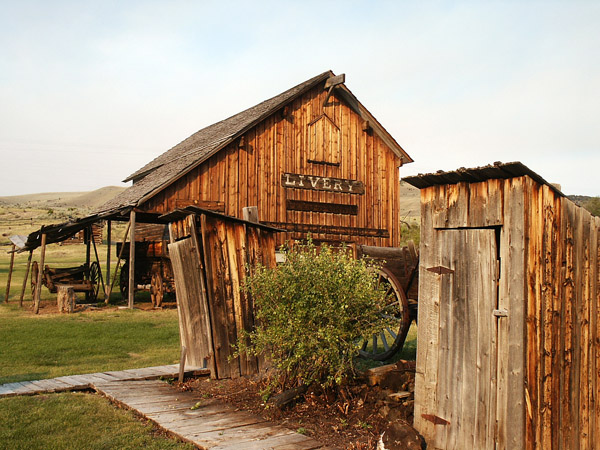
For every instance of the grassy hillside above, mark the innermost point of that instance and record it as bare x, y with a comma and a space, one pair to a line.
410, 201
22, 214
88, 200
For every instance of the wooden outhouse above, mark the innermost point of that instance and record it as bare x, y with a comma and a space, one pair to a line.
508, 339
312, 159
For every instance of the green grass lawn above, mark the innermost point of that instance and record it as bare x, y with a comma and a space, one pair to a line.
74, 421
53, 345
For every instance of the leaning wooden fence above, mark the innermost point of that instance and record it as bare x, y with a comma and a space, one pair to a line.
211, 254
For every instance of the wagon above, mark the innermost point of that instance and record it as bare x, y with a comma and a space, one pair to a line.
153, 270
85, 278
399, 275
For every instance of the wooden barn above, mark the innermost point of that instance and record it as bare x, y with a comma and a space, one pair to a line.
312, 159
508, 339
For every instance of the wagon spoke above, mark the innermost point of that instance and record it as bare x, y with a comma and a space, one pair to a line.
395, 314
389, 330
384, 341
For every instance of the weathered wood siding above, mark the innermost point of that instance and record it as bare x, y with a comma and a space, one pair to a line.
446, 378
545, 348
563, 339
210, 264
303, 138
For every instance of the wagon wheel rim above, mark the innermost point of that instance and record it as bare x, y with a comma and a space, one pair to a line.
124, 281
34, 275
389, 340
156, 290
94, 278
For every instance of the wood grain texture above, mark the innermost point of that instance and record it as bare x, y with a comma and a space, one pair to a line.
237, 177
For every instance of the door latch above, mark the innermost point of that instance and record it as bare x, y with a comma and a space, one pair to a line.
500, 313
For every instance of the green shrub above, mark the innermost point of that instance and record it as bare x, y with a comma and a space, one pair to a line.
310, 312
593, 206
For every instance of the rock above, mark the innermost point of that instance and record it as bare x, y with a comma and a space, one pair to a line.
400, 436
399, 395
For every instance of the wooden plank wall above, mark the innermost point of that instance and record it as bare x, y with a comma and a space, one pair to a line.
472, 206
563, 339
228, 247
192, 302
248, 173
548, 365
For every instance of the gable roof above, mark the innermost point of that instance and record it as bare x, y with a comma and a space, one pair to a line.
193, 151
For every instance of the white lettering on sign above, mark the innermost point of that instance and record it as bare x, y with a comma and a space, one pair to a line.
316, 183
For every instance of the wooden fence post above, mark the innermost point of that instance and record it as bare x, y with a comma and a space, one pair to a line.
131, 292
38, 286
108, 250
114, 278
25, 280
10, 271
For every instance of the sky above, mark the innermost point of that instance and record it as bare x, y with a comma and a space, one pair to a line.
90, 91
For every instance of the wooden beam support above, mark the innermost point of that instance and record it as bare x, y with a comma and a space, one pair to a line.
101, 281
38, 285
25, 280
335, 81
131, 286
114, 278
108, 251
10, 271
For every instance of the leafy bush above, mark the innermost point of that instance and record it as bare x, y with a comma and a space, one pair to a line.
310, 312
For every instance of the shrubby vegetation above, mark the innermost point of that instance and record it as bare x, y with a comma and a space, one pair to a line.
311, 311
593, 206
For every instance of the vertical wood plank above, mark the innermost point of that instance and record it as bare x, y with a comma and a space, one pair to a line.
131, 286
38, 284
10, 271
26, 277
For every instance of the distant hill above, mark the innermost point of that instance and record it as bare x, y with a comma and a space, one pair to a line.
579, 199
90, 200
410, 201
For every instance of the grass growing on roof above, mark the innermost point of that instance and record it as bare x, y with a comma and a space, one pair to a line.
74, 420
53, 345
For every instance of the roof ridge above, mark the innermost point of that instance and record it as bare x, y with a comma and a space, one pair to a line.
152, 165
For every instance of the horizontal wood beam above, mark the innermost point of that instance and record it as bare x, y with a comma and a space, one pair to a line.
327, 229
321, 207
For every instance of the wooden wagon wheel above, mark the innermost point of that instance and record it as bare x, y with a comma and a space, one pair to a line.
124, 281
35, 270
156, 289
94, 278
390, 340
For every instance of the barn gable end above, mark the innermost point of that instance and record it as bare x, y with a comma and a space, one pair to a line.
313, 160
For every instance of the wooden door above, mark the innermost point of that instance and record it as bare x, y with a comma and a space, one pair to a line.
458, 403
192, 304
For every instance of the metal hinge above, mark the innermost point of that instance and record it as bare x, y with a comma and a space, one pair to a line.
500, 313
440, 270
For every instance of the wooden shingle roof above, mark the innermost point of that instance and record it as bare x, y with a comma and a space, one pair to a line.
200, 146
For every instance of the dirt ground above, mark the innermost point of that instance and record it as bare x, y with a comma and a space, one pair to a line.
50, 306
350, 418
